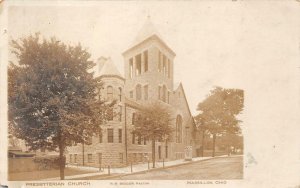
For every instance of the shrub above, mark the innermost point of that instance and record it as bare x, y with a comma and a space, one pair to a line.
47, 162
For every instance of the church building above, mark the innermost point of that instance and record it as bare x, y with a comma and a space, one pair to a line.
148, 77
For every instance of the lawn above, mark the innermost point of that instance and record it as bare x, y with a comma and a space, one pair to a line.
44, 174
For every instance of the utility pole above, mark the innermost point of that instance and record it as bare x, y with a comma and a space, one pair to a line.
126, 153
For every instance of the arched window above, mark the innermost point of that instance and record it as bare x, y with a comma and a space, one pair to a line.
159, 61
120, 94
164, 65
164, 94
138, 92
131, 68
109, 93
179, 129
138, 64
145, 61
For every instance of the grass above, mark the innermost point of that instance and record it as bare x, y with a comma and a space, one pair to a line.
44, 174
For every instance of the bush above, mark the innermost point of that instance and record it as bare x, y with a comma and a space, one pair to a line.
47, 162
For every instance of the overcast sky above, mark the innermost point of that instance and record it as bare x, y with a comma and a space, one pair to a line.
217, 43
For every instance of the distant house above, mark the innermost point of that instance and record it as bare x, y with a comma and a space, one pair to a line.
16, 152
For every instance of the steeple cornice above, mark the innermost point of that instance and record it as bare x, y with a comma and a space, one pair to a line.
152, 37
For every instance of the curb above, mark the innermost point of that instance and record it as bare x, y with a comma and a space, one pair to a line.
160, 168
151, 169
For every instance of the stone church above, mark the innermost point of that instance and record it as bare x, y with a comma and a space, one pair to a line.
148, 77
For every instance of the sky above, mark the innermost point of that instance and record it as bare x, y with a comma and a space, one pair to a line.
217, 43
203, 35
250, 45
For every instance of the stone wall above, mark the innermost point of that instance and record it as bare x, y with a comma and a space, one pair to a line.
112, 152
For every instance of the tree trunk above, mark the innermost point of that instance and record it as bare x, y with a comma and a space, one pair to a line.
61, 160
214, 145
153, 153
228, 150
202, 150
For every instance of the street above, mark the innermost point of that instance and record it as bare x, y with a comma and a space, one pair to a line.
218, 168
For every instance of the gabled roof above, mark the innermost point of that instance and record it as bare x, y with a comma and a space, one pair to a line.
181, 87
107, 68
148, 32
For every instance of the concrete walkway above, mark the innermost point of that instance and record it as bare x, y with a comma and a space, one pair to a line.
127, 170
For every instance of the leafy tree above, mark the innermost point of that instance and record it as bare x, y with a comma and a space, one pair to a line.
52, 95
203, 129
218, 112
153, 122
232, 141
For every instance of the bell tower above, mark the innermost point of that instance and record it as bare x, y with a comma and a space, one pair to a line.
149, 64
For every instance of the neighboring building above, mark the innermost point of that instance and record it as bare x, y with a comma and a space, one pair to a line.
16, 152
149, 73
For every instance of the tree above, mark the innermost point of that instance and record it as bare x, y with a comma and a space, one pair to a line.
203, 129
218, 112
153, 122
232, 142
52, 95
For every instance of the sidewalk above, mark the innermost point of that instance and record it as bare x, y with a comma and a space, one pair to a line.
127, 170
